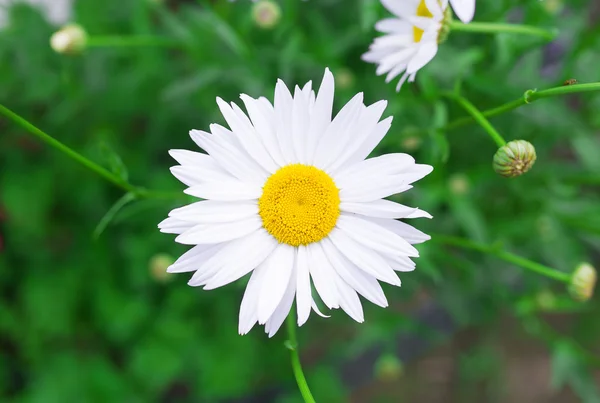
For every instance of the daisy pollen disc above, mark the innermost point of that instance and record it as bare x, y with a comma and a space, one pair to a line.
300, 204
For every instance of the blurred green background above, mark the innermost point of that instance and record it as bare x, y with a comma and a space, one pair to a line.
98, 320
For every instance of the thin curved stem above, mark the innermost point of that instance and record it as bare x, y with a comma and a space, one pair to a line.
292, 345
528, 97
495, 28
478, 116
136, 191
111, 41
506, 256
51, 141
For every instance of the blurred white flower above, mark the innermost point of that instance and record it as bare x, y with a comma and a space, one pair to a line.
289, 197
410, 40
56, 11
464, 9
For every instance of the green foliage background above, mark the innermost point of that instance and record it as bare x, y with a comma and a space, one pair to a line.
87, 320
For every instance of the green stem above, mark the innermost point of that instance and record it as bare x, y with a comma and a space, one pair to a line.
528, 97
506, 256
494, 28
130, 41
478, 116
51, 141
292, 345
136, 191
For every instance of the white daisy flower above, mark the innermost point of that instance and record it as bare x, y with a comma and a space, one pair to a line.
464, 9
410, 40
289, 197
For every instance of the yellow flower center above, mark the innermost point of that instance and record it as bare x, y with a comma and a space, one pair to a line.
300, 204
422, 11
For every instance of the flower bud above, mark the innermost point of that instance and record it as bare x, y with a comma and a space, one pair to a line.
70, 39
158, 267
583, 281
515, 158
388, 368
266, 14
459, 184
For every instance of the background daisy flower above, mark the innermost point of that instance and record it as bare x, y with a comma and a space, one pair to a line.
290, 198
410, 40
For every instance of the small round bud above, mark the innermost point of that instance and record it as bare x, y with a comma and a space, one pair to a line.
70, 39
459, 184
583, 281
388, 368
266, 14
158, 267
344, 78
515, 158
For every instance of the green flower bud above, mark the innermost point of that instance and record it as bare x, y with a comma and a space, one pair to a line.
70, 39
388, 368
515, 158
583, 282
266, 14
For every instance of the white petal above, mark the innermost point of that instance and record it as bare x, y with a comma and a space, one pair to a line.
213, 211
364, 258
172, 225
427, 51
192, 175
403, 8
349, 301
249, 306
464, 9
254, 249
278, 269
375, 236
339, 132
233, 190
383, 165
323, 275
321, 116
221, 145
373, 189
408, 232
383, 209
283, 120
366, 123
243, 129
303, 290
400, 263
362, 282
219, 232
300, 124
263, 118
371, 141
283, 309
193, 259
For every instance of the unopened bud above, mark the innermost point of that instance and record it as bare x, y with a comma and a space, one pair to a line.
583, 281
388, 368
266, 14
344, 78
70, 39
459, 184
158, 267
515, 158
